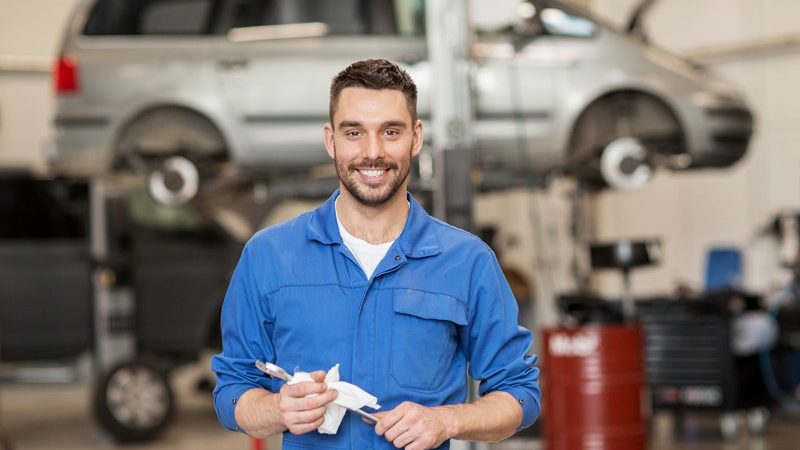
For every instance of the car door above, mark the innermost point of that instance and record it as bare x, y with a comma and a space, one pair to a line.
277, 61
516, 97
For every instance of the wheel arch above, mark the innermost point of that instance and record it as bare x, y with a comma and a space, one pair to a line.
594, 104
167, 118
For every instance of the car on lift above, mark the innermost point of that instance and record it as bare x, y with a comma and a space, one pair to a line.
182, 89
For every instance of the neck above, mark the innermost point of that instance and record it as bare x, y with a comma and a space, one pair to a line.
374, 224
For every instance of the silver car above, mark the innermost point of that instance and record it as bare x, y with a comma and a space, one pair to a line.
189, 86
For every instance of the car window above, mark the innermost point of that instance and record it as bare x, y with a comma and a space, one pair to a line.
560, 22
341, 17
150, 17
410, 17
175, 17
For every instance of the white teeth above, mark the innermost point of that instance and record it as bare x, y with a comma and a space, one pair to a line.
372, 173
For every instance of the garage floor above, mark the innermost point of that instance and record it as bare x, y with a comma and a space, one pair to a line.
56, 416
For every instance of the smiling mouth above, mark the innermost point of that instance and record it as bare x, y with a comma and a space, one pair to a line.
372, 173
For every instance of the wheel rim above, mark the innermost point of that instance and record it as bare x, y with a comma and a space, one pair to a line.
622, 164
137, 397
174, 182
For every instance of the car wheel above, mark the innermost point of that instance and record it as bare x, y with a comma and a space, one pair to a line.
173, 181
757, 419
620, 137
133, 401
623, 164
177, 150
729, 425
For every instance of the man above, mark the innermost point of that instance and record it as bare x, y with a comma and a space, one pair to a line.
370, 281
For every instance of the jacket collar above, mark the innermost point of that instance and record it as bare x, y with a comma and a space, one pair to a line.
417, 240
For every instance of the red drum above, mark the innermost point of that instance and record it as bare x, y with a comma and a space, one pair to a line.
593, 388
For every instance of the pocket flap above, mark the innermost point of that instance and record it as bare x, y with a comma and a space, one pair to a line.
430, 306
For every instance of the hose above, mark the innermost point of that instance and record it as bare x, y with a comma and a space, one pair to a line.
787, 402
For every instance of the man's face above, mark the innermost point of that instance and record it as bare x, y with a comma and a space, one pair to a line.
372, 141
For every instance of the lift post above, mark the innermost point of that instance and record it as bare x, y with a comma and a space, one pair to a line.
113, 299
451, 110
451, 101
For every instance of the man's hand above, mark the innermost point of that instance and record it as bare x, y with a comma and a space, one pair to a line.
415, 427
302, 405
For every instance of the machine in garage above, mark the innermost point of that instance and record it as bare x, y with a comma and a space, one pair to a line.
95, 269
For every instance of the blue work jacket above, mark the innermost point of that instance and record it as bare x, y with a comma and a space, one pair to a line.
437, 301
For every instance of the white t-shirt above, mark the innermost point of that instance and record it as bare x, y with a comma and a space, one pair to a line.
368, 255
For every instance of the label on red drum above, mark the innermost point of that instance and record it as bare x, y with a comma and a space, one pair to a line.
690, 395
579, 345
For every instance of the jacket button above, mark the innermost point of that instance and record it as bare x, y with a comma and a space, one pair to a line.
397, 257
233, 401
522, 401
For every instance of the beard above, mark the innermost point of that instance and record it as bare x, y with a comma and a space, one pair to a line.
372, 194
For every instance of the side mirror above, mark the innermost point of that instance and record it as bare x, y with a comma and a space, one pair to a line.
529, 28
528, 25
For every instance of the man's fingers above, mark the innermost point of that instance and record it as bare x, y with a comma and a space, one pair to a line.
309, 416
306, 427
410, 426
304, 403
318, 376
403, 440
394, 433
305, 388
387, 420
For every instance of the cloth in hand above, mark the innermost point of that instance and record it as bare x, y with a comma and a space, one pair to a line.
350, 396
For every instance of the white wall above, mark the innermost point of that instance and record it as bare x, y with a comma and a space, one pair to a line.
30, 31
692, 212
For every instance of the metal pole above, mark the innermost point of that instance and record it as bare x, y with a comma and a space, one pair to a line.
451, 101
113, 303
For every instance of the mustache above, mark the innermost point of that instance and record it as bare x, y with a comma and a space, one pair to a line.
372, 165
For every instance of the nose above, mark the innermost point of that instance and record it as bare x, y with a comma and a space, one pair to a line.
374, 148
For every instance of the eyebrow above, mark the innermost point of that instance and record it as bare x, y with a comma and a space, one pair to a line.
389, 123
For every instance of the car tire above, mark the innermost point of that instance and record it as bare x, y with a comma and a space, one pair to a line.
729, 425
177, 150
133, 401
757, 419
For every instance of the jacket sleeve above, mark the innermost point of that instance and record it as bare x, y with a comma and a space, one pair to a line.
496, 346
246, 336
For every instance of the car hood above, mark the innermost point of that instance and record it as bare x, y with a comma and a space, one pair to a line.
705, 78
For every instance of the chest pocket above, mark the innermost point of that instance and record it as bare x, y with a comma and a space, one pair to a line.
424, 337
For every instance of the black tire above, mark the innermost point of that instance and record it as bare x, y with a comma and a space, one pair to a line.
133, 401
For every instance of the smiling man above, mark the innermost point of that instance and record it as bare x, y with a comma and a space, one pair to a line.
405, 303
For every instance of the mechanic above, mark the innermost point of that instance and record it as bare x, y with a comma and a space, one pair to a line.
402, 301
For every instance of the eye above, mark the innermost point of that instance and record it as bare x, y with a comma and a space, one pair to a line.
392, 132
352, 133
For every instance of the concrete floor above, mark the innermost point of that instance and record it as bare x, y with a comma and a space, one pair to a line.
37, 417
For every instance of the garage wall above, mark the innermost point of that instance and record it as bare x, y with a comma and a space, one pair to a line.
692, 212
30, 32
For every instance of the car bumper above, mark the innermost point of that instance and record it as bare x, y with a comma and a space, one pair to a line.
730, 130
80, 149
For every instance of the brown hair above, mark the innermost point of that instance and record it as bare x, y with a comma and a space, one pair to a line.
374, 74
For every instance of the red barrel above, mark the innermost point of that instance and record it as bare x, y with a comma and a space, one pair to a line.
593, 386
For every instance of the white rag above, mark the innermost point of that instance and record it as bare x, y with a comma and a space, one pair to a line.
350, 396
